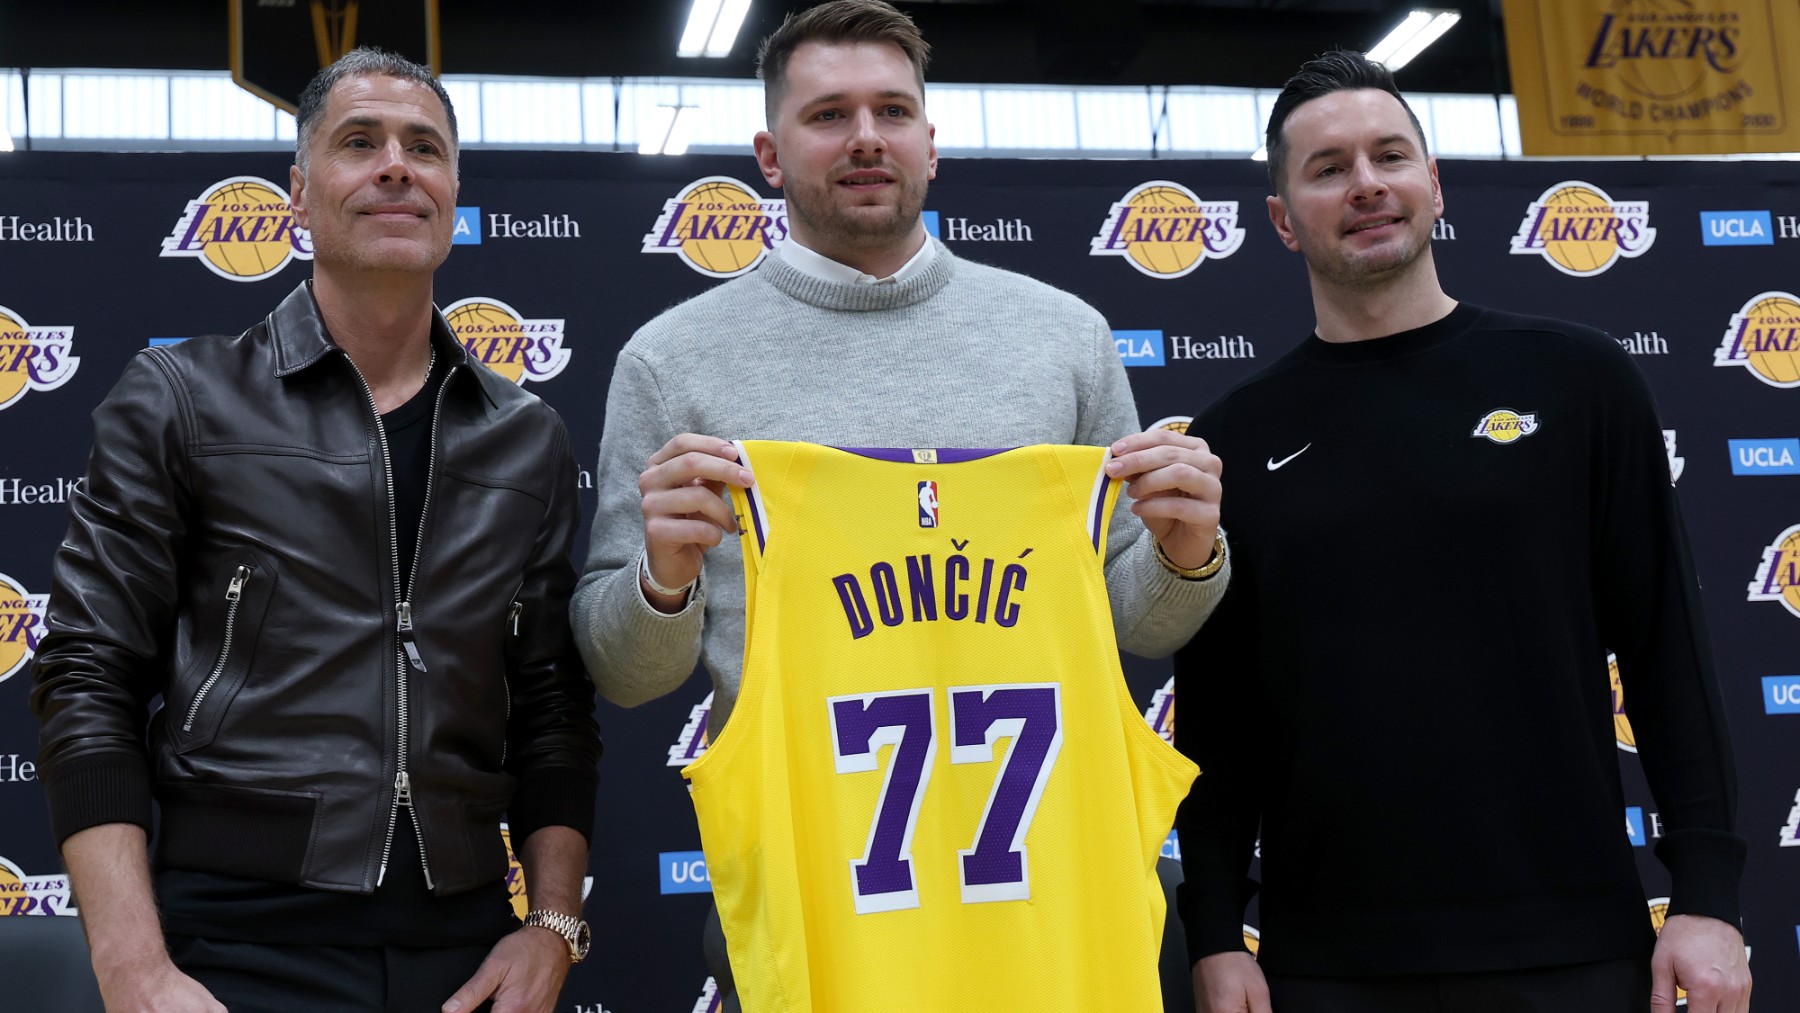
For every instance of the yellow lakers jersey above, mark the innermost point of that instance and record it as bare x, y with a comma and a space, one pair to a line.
935, 793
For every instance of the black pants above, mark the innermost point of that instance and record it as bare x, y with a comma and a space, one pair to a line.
279, 978
1614, 986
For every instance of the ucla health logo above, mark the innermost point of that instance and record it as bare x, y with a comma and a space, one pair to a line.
241, 228
33, 358
1781, 694
1778, 578
1503, 425
33, 895
1764, 337
1736, 228
692, 743
502, 339
1160, 715
1165, 231
1765, 457
1634, 826
1676, 464
21, 625
1140, 348
719, 227
684, 872
1581, 231
1621, 724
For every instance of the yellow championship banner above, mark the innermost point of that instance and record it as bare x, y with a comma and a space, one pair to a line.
1655, 77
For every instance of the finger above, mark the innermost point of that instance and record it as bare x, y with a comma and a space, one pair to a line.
1153, 458
1155, 437
694, 501
694, 443
1177, 478
676, 533
477, 989
684, 470
1662, 985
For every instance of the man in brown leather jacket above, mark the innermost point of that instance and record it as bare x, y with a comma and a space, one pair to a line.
338, 550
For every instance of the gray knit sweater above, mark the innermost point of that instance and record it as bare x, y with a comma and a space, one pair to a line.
960, 355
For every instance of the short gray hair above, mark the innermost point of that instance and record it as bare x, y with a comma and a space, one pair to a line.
363, 61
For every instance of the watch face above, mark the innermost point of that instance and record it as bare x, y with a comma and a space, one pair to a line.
583, 937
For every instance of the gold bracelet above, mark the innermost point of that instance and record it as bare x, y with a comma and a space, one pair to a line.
1213, 563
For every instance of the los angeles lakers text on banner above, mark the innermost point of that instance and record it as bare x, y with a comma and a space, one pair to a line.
242, 228
1655, 77
718, 226
506, 341
1166, 231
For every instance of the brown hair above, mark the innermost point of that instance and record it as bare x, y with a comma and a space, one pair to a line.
837, 22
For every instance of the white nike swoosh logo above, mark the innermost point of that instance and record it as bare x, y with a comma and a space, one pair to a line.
1273, 464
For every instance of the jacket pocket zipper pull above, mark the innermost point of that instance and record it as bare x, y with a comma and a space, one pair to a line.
407, 641
518, 609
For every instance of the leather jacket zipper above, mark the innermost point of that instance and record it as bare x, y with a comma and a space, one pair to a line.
408, 652
512, 616
233, 594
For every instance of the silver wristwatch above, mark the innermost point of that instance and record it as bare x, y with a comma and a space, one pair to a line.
573, 930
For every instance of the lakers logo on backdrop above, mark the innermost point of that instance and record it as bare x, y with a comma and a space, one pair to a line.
693, 741
1503, 425
241, 228
504, 340
1621, 724
21, 625
1581, 231
1252, 940
1165, 231
1174, 423
33, 358
718, 226
1778, 578
33, 895
1160, 715
1764, 338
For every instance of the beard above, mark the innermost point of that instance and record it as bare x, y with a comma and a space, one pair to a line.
1365, 269
820, 208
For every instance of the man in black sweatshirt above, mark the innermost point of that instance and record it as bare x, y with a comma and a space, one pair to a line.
1443, 519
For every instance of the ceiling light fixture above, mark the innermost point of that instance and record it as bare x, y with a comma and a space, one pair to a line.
1422, 27
667, 132
712, 27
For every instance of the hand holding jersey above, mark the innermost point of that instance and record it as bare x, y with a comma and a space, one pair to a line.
683, 486
1172, 479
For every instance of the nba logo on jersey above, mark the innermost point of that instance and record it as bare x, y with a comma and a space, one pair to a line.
928, 505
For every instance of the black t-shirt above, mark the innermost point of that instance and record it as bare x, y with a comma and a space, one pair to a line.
401, 911
1436, 539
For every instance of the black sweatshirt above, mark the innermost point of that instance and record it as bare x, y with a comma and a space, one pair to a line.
1437, 537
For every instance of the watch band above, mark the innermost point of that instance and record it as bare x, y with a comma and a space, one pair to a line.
644, 571
1213, 563
573, 930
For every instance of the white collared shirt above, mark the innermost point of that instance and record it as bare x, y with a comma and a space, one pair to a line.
824, 268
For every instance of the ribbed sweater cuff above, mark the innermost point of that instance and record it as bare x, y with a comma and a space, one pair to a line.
553, 797
1212, 922
110, 787
1704, 869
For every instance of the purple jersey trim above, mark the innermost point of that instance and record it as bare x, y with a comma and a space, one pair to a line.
905, 456
1099, 531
